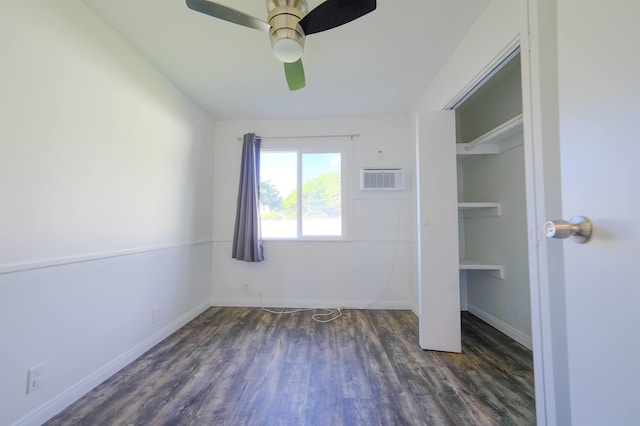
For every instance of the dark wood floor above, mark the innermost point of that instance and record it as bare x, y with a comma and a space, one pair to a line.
244, 366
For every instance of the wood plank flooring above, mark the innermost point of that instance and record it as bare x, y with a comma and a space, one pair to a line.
245, 366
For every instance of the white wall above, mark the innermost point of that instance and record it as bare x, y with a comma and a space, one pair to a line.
496, 28
375, 261
105, 183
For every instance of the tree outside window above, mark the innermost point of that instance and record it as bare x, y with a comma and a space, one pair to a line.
306, 182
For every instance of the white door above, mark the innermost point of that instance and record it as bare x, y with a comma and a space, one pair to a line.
438, 273
599, 111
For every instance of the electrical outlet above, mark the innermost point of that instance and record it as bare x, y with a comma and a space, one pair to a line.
155, 314
36, 377
245, 288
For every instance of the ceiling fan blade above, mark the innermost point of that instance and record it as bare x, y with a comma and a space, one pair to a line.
294, 71
227, 14
333, 13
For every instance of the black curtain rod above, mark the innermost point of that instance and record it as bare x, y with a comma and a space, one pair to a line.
351, 135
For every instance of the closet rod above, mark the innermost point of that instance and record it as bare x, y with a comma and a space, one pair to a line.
351, 135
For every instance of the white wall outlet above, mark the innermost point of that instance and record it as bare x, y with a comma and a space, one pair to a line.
155, 314
36, 377
245, 288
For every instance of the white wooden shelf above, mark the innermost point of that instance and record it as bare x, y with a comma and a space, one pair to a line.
474, 209
473, 265
494, 141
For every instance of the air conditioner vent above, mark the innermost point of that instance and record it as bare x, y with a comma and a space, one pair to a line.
381, 179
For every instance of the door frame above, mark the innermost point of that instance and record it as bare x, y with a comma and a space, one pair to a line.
543, 186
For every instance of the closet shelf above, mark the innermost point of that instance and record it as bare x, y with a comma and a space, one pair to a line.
494, 141
475, 209
473, 265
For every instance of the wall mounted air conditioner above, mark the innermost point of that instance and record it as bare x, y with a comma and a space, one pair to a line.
381, 179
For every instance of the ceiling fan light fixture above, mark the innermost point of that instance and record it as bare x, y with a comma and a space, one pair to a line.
287, 50
287, 36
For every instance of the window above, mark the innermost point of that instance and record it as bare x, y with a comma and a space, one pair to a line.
301, 193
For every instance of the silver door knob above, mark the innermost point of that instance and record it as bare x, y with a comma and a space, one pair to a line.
579, 228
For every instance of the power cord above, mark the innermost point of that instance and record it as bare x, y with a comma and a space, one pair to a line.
316, 317
395, 258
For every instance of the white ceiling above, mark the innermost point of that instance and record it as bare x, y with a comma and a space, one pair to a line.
376, 65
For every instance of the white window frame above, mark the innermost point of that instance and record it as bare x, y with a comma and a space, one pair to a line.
314, 146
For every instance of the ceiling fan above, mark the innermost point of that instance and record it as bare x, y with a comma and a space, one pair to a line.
288, 23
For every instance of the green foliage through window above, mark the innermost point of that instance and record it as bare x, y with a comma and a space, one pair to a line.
321, 194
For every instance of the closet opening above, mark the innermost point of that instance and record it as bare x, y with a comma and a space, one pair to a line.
492, 210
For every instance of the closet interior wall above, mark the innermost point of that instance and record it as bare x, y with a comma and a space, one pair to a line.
495, 284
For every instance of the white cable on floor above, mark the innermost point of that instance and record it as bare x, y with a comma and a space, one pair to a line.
315, 317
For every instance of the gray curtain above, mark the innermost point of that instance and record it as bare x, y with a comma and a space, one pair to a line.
247, 237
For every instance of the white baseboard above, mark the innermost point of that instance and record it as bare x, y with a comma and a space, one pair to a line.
254, 301
414, 309
72, 394
516, 335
